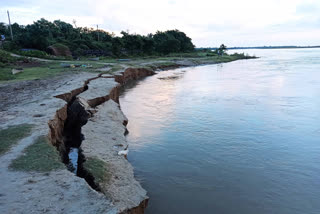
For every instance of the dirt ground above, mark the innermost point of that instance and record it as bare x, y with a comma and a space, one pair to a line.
30, 192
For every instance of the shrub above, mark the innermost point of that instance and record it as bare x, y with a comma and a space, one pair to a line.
9, 46
5, 57
59, 49
33, 53
212, 54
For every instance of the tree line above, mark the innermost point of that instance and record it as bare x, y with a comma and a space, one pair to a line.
82, 40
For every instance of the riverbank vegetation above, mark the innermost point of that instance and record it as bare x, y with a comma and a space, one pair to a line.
98, 169
46, 49
38, 157
64, 39
33, 69
12, 135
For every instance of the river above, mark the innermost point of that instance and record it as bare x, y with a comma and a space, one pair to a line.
234, 138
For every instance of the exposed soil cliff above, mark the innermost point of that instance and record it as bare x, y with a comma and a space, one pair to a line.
92, 121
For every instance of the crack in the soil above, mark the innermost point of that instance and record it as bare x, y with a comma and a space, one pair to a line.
65, 129
77, 116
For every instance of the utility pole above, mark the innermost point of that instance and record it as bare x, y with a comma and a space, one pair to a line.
75, 23
98, 33
10, 25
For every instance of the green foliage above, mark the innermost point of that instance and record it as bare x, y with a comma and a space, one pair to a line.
10, 45
33, 53
5, 73
85, 41
3, 28
5, 57
133, 43
39, 71
12, 135
212, 54
221, 50
243, 56
98, 169
38, 157
59, 49
117, 45
172, 41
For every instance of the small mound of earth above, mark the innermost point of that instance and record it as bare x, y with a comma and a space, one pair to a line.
104, 69
175, 76
38, 115
169, 78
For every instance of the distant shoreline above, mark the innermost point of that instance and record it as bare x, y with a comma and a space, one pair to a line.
265, 47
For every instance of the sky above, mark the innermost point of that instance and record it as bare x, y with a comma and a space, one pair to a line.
208, 22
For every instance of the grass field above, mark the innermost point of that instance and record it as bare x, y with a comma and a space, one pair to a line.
98, 169
12, 135
41, 70
38, 157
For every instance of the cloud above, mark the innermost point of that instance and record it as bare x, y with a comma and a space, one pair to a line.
308, 8
207, 22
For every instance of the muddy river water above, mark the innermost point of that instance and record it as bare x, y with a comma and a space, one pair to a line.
235, 138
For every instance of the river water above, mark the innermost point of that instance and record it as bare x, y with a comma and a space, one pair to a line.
235, 138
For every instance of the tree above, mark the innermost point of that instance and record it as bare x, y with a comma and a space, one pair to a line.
172, 41
83, 40
3, 28
132, 42
148, 44
185, 42
222, 49
117, 46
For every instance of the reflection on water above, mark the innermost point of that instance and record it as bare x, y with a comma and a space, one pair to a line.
241, 137
161, 106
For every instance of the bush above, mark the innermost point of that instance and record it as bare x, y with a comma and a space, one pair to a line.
212, 54
60, 38
84, 47
33, 53
78, 52
5, 57
238, 54
60, 50
9, 46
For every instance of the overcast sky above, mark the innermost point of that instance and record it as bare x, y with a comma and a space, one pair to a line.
207, 22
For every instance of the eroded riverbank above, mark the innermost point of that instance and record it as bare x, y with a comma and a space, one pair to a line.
84, 113
240, 137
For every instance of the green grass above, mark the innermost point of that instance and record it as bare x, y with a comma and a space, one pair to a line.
51, 69
38, 157
33, 53
41, 55
45, 70
12, 135
98, 169
38, 72
114, 68
5, 74
5, 57
163, 64
105, 59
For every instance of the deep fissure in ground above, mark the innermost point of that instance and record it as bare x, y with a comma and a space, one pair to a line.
77, 116
78, 112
